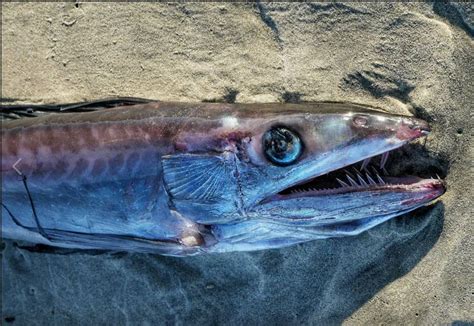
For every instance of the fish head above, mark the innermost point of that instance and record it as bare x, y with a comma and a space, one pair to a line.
292, 148
299, 179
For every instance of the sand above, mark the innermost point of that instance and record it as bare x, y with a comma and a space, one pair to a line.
412, 58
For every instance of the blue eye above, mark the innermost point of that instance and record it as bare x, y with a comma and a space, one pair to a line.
282, 146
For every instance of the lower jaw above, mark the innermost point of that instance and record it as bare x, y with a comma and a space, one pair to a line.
358, 226
433, 188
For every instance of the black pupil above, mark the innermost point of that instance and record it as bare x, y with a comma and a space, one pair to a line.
280, 143
282, 146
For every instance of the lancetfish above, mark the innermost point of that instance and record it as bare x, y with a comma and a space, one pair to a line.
187, 178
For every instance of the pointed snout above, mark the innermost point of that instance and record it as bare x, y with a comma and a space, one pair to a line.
401, 127
412, 128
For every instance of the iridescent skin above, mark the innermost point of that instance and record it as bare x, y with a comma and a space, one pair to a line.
181, 179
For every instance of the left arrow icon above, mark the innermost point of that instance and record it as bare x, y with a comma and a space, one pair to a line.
15, 168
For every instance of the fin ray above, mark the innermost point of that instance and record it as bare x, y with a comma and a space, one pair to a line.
198, 176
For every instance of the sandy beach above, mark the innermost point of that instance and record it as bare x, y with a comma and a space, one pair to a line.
414, 59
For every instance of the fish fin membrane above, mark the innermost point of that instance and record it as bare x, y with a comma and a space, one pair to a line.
117, 242
110, 242
16, 111
207, 178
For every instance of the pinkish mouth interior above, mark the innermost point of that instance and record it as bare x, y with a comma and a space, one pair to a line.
368, 175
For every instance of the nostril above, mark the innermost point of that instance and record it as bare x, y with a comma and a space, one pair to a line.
360, 121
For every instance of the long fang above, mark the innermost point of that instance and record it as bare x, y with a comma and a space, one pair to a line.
371, 181
380, 179
352, 181
361, 180
383, 160
365, 163
342, 183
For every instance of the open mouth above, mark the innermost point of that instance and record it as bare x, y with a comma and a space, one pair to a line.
372, 174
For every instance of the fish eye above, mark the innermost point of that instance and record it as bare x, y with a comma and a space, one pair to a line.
282, 146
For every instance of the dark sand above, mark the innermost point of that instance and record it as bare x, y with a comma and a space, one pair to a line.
406, 58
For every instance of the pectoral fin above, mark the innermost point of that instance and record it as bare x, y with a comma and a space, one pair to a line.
202, 186
199, 177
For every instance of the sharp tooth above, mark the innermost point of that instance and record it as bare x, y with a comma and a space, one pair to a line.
369, 178
356, 173
380, 179
365, 163
348, 173
342, 183
361, 180
352, 181
383, 160
375, 171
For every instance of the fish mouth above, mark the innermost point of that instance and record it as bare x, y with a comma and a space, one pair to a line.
372, 174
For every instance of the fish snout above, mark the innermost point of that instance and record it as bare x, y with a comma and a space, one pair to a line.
412, 128
401, 127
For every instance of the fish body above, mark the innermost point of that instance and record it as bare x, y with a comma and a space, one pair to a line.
182, 178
